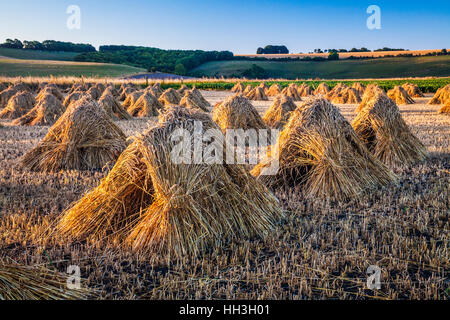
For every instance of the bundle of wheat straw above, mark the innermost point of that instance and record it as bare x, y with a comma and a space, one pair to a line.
146, 106
52, 89
132, 98
292, 92
359, 87
155, 205
279, 112
382, 129
304, 90
182, 90
441, 96
257, 93
170, 97
400, 95
83, 138
413, 90
319, 150
19, 104
113, 107
74, 97
237, 112
238, 88
322, 89
94, 93
274, 90
371, 91
346, 96
445, 108
46, 112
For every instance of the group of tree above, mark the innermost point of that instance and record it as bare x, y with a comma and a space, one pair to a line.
47, 45
270, 49
154, 59
363, 49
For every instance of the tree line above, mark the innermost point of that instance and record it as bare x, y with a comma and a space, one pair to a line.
154, 59
47, 45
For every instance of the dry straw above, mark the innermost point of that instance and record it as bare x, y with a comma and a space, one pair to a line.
52, 89
83, 138
359, 87
346, 96
36, 283
191, 101
263, 86
400, 95
155, 206
257, 93
94, 93
200, 100
292, 92
322, 89
238, 88
237, 112
279, 112
445, 108
304, 90
146, 106
274, 90
182, 90
73, 97
100, 88
78, 87
413, 90
5, 95
247, 90
46, 112
124, 92
111, 90
154, 92
371, 91
170, 97
319, 150
441, 96
20, 86
113, 107
381, 128
157, 89
132, 98
19, 104
335, 91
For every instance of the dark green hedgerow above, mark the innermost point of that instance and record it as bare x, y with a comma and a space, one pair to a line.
426, 85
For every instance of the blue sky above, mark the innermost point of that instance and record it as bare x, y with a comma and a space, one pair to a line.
239, 26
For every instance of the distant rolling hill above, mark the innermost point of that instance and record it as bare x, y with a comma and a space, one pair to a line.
37, 55
43, 68
438, 66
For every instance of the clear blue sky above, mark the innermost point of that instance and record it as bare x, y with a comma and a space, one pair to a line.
239, 26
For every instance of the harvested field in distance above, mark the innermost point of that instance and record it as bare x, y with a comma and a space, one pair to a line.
342, 55
438, 66
320, 250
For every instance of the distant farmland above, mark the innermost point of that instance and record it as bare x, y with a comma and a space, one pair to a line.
342, 55
437, 66
45, 68
37, 55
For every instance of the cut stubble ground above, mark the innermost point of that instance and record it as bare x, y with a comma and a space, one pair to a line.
321, 250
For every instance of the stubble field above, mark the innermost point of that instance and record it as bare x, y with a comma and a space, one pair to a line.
321, 250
